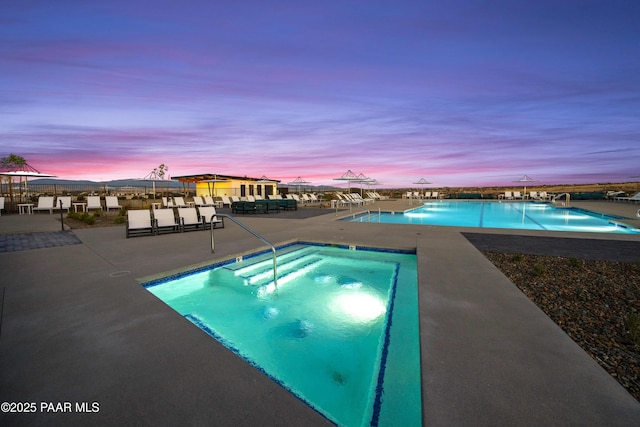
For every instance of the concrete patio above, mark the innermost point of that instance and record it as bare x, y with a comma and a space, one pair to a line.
77, 327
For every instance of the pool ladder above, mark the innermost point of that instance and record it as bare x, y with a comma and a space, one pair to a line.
273, 248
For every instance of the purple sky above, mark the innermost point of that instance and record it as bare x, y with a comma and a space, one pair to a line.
462, 93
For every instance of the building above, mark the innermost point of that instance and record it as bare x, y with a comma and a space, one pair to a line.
216, 185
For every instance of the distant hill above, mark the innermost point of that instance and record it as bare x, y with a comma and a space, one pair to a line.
113, 183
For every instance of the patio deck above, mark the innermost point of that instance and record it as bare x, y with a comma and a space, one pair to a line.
78, 327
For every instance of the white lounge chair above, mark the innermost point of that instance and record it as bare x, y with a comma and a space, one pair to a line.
208, 201
634, 198
1, 204
189, 219
226, 201
111, 202
139, 222
198, 201
179, 202
63, 203
45, 203
93, 202
517, 195
167, 202
165, 220
209, 212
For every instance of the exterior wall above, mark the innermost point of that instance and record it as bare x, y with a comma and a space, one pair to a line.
240, 188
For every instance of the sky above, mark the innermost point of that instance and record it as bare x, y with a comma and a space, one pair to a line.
460, 93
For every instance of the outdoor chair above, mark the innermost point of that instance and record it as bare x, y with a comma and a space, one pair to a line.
111, 202
139, 222
45, 203
189, 219
207, 213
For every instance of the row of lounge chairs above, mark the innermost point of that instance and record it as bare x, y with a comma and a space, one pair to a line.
165, 220
425, 195
46, 203
635, 198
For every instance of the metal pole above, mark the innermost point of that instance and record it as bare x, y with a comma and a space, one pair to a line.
61, 220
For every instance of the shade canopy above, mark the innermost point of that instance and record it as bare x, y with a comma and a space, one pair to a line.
299, 181
525, 179
350, 177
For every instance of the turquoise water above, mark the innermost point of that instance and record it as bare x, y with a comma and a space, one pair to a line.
514, 215
340, 331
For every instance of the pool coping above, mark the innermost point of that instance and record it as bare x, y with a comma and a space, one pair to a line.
77, 327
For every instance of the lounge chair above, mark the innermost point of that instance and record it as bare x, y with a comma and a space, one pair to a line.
435, 195
1, 204
226, 201
251, 199
208, 201
209, 212
165, 220
139, 222
198, 201
167, 202
189, 219
634, 198
613, 194
507, 195
45, 203
178, 202
517, 195
63, 203
93, 202
111, 202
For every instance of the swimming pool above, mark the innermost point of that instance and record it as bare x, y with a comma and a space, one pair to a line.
340, 331
514, 215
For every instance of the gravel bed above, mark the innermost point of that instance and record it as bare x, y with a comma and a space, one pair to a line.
597, 303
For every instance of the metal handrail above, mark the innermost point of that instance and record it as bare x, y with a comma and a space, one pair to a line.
567, 197
273, 248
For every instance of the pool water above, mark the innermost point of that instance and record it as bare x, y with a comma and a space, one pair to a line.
514, 215
340, 331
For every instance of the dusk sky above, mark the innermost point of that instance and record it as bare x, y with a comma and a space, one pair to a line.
461, 93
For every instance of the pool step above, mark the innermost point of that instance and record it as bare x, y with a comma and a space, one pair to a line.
261, 269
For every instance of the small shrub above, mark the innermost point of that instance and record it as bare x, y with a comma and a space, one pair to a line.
573, 262
516, 258
539, 269
120, 220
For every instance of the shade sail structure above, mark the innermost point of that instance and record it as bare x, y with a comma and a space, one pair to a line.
299, 181
525, 179
350, 177
422, 182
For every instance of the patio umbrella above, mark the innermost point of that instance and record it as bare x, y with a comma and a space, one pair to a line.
525, 179
299, 181
350, 177
362, 178
422, 182
28, 172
